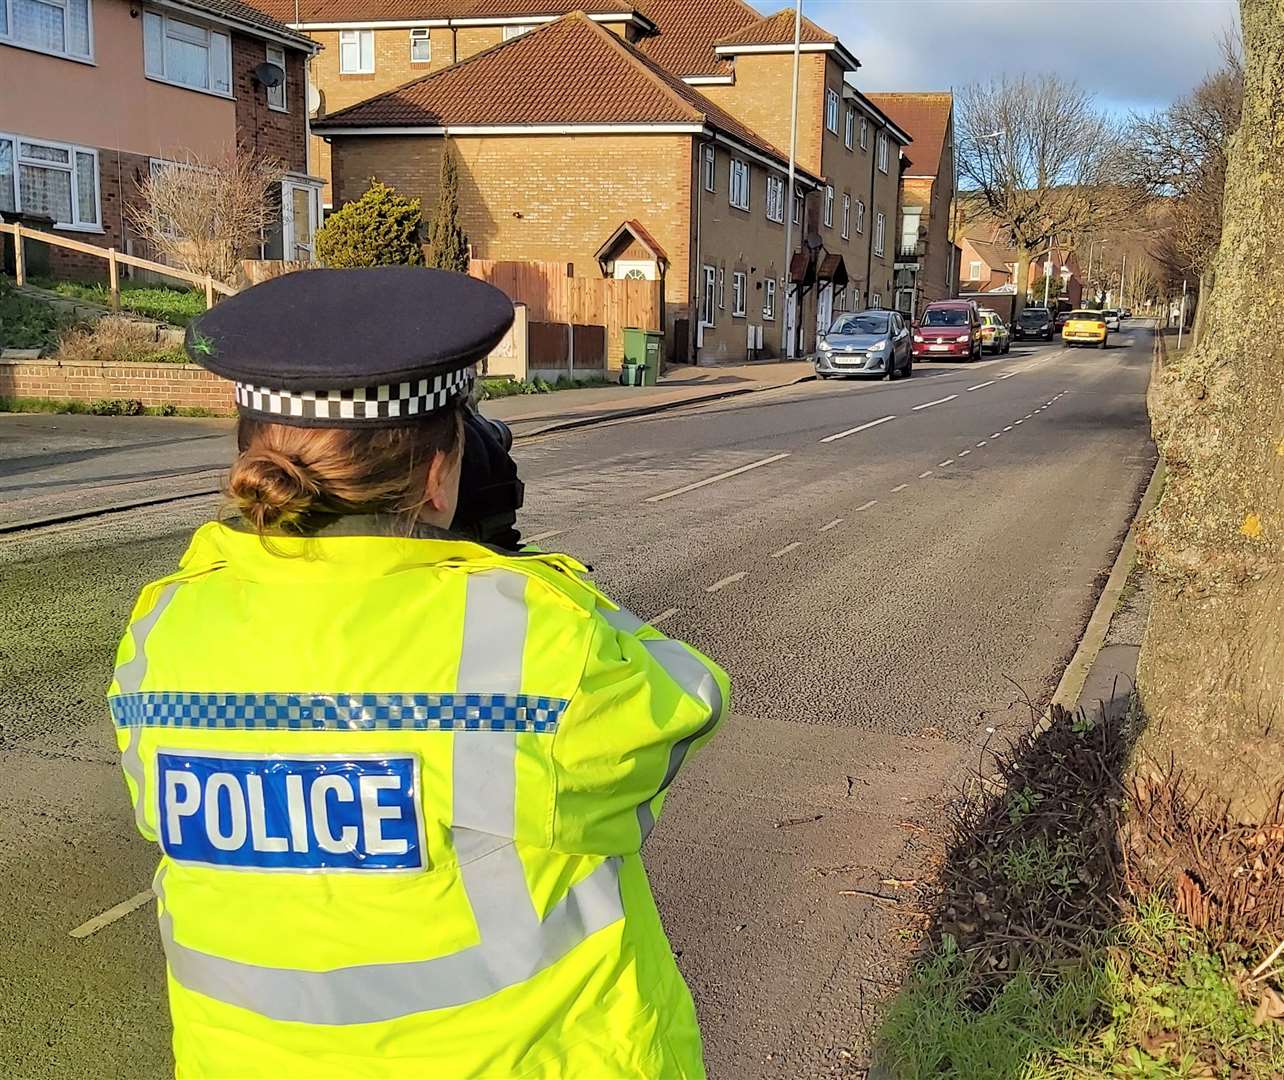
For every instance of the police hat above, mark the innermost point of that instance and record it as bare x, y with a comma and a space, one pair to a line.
348, 348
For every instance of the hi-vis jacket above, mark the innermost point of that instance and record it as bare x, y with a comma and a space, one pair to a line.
400, 786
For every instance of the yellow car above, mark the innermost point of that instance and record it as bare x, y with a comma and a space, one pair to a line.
1085, 328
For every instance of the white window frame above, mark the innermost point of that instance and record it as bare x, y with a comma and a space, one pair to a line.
880, 230
847, 215
974, 270
739, 293
860, 215
276, 95
829, 205
707, 297
169, 29
840, 300
800, 200
357, 37
769, 299
738, 184
722, 291
515, 30
76, 224
289, 243
849, 128
876, 301
710, 169
831, 109
10, 37
418, 34
864, 133
882, 151
775, 199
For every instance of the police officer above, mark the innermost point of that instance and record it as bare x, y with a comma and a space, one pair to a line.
399, 779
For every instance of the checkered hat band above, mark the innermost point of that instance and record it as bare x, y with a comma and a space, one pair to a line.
390, 401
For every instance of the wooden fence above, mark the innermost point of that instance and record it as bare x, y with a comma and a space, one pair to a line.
114, 260
552, 295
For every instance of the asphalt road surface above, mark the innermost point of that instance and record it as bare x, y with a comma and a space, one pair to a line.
887, 570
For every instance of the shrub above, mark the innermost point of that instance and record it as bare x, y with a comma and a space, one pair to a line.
447, 243
116, 407
115, 337
379, 229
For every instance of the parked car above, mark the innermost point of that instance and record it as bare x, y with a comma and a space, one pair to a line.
1112, 318
1126, 313
874, 342
1033, 322
1085, 327
949, 328
995, 334
1060, 320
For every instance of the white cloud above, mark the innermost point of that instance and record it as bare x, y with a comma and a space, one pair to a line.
1130, 53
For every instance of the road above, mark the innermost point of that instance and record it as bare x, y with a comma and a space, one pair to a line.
887, 570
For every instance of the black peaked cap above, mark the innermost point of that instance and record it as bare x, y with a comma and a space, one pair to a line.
320, 331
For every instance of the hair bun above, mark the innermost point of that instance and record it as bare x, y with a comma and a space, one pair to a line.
271, 489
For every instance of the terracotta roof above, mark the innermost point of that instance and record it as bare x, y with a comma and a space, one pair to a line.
996, 256
635, 229
925, 117
253, 16
337, 11
571, 71
778, 29
688, 30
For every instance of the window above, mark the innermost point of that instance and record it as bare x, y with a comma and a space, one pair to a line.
276, 94
847, 214
300, 212
860, 215
769, 299
876, 301
882, 151
706, 298
722, 293
356, 52
798, 207
880, 226
829, 205
831, 110
840, 299
186, 54
60, 27
864, 133
910, 218
738, 185
738, 294
849, 129
710, 170
511, 32
974, 270
775, 198
53, 179
421, 46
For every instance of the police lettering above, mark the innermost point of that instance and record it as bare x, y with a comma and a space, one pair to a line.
316, 813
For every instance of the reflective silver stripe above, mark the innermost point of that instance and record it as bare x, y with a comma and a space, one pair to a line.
623, 620
514, 944
690, 673
129, 677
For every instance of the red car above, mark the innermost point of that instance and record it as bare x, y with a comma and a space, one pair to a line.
948, 329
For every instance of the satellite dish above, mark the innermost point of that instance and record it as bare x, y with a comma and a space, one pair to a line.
269, 75
314, 100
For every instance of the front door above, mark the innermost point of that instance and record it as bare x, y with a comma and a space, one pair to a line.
824, 307
300, 211
791, 321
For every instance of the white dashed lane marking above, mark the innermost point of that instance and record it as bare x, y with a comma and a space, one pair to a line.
899, 487
112, 914
786, 549
938, 401
830, 525
979, 386
667, 613
866, 506
947, 461
964, 453
730, 579
924, 474
714, 479
547, 535
853, 431
981, 443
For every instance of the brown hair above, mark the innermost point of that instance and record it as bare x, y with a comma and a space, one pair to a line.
298, 479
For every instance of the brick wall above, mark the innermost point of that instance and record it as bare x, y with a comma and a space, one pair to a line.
153, 384
118, 177
281, 135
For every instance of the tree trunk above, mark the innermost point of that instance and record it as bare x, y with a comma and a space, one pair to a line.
1201, 309
1022, 282
1212, 668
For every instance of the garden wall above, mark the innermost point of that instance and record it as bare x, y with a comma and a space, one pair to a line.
184, 385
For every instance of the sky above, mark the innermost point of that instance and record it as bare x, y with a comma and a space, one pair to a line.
1132, 54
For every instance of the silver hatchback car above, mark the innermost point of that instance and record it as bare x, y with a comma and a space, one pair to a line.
873, 342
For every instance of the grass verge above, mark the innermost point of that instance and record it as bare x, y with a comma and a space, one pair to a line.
175, 306
1048, 963
26, 323
102, 407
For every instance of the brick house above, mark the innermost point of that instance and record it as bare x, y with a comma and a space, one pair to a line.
95, 94
989, 264
574, 146
924, 252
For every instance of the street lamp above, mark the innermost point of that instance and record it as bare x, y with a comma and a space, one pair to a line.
789, 198
1091, 245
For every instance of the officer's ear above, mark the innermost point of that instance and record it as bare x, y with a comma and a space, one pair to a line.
441, 491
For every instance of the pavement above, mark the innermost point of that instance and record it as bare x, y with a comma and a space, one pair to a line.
886, 569
53, 466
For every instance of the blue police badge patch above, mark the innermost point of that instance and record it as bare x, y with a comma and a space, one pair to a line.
312, 812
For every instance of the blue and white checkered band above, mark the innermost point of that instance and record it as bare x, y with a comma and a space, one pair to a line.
388, 402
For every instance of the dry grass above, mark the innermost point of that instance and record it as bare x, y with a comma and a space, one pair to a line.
117, 338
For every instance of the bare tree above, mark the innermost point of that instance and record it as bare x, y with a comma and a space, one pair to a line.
205, 214
1043, 159
1180, 154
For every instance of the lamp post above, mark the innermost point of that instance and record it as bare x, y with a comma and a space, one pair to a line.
1123, 266
789, 199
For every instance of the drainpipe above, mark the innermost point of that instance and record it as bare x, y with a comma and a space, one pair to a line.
870, 219
697, 252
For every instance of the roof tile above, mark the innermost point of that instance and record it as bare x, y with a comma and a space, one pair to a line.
925, 117
778, 29
688, 30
